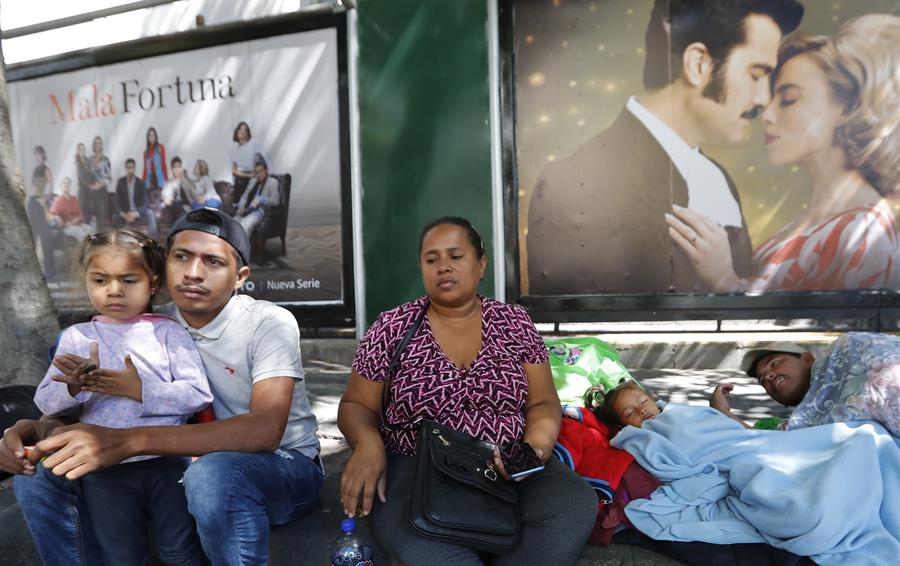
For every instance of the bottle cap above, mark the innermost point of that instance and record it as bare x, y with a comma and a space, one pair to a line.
348, 525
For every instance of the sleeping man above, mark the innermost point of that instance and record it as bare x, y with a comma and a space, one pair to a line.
859, 379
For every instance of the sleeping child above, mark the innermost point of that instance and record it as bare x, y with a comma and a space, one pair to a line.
583, 445
625, 404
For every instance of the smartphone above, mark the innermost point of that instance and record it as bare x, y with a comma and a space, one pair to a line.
520, 460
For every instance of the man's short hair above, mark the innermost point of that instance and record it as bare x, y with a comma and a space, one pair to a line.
718, 24
129, 161
175, 160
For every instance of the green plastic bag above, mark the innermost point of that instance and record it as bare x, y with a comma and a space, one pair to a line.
579, 363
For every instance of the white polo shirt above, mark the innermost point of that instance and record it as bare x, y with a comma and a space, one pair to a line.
708, 191
247, 342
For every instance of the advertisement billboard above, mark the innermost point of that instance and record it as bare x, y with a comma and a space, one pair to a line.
252, 127
678, 147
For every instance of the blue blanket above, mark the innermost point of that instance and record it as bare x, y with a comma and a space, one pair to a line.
830, 492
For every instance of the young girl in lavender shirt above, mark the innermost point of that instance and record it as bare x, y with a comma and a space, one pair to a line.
146, 371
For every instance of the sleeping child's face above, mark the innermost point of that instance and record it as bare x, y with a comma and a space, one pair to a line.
634, 406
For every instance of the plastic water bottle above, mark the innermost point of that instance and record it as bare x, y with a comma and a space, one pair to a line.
349, 549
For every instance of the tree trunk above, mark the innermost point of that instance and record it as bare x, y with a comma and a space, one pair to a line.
27, 320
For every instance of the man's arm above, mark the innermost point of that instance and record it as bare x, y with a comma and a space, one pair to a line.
25, 432
719, 401
271, 193
81, 449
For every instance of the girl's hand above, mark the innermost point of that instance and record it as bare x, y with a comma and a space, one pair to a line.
122, 383
706, 244
365, 475
75, 367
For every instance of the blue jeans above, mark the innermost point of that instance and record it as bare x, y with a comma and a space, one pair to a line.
58, 519
233, 496
210, 203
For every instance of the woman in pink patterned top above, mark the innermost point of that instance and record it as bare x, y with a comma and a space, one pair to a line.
835, 110
478, 366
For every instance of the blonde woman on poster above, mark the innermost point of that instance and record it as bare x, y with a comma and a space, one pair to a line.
204, 193
835, 110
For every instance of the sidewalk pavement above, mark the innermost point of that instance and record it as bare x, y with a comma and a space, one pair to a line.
306, 541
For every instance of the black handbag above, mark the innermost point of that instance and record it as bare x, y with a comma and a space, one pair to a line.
456, 495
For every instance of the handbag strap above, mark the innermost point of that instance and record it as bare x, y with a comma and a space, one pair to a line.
395, 361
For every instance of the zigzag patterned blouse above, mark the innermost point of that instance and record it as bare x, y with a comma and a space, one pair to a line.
487, 400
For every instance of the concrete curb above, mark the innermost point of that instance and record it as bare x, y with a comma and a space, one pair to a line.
638, 351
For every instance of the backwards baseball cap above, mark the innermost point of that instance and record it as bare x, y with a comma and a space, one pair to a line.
215, 222
752, 357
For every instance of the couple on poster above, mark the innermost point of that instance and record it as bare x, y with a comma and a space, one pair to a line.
640, 208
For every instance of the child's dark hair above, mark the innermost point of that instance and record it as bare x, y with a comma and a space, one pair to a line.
602, 402
471, 233
143, 248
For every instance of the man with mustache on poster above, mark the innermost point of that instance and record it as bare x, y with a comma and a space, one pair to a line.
596, 219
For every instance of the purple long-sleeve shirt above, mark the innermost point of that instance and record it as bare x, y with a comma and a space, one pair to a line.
174, 384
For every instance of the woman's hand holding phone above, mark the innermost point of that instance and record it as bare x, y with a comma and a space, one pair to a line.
518, 461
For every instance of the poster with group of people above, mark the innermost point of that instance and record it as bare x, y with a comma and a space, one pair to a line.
251, 128
707, 146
